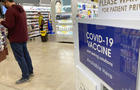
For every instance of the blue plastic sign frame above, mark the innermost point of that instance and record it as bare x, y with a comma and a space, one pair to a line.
111, 53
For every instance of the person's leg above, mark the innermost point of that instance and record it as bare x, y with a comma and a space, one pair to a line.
17, 49
28, 58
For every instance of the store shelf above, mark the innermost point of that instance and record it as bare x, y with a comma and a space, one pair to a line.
35, 29
64, 30
34, 36
31, 13
33, 17
64, 22
64, 13
32, 23
45, 13
38, 11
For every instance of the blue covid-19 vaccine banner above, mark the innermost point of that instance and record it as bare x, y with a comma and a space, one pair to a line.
111, 53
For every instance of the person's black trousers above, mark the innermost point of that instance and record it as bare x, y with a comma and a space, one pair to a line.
23, 58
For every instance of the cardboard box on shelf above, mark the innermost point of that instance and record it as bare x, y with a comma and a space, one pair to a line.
3, 54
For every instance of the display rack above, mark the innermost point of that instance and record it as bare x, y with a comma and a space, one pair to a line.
64, 26
87, 10
3, 44
32, 21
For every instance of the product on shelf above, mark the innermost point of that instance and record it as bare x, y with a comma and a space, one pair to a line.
87, 10
64, 26
59, 17
3, 44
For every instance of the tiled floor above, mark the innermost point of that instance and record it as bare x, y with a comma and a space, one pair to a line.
53, 66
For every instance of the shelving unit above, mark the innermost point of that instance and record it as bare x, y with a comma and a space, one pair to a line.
32, 21
88, 12
3, 44
64, 27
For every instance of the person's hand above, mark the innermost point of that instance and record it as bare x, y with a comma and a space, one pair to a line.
1, 20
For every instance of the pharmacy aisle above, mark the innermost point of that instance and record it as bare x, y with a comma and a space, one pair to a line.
53, 64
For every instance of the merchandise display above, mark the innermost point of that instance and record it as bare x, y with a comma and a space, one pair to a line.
64, 25
50, 27
32, 20
3, 44
87, 10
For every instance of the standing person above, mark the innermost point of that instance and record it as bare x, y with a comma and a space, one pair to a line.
40, 20
15, 21
41, 24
